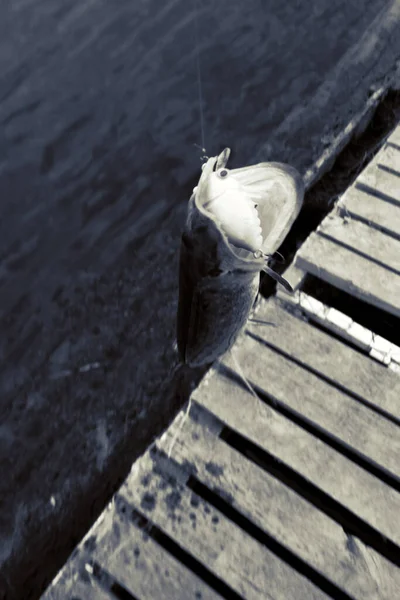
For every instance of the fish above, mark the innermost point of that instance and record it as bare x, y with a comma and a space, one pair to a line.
236, 220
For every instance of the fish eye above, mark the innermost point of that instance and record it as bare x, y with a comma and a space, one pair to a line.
222, 173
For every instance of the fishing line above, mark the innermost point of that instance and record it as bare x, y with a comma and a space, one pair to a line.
199, 81
247, 383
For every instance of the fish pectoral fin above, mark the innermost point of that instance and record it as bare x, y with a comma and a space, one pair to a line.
279, 279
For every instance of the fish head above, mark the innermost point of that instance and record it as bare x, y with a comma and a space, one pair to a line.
215, 179
255, 206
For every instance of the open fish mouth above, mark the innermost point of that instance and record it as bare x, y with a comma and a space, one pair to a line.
253, 207
250, 203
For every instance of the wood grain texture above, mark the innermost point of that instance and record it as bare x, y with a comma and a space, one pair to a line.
75, 582
331, 358
362, 493
139, 563
374, 198
388, 156
360, 204
394, 138
369, 242
331, 319
290, 519
78, 591
383, 180
247, 566
313, 399
350, 272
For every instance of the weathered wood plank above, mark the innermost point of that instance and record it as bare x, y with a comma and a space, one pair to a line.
362, 205
362, 493
74, 583
359, 427
366, 240
78, 591
350, 272
246, 565
382, 181
140, 564
282, 513
375, 196
333, 359
394, 137
389, 156
376, 346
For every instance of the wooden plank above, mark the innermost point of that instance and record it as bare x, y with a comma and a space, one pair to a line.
132, 559
376, 346
74, 582
331, 358
78, 591
369, 241
282, 513
381, 181
244, 564
395, 135
350, 272
388, 159
140, 564
360, 428
361, 205
359, 491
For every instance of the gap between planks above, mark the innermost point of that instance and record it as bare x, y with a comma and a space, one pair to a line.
328, 357
314, 400
352, 486
377, 347
246, 565
374, 198
132, 559
350, 272
276, 508
363, 240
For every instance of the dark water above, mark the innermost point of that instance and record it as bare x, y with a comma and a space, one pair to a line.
99, 117
99, 114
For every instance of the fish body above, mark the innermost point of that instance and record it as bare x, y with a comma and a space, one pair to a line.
235, 218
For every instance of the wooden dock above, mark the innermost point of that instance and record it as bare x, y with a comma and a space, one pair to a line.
295, 494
